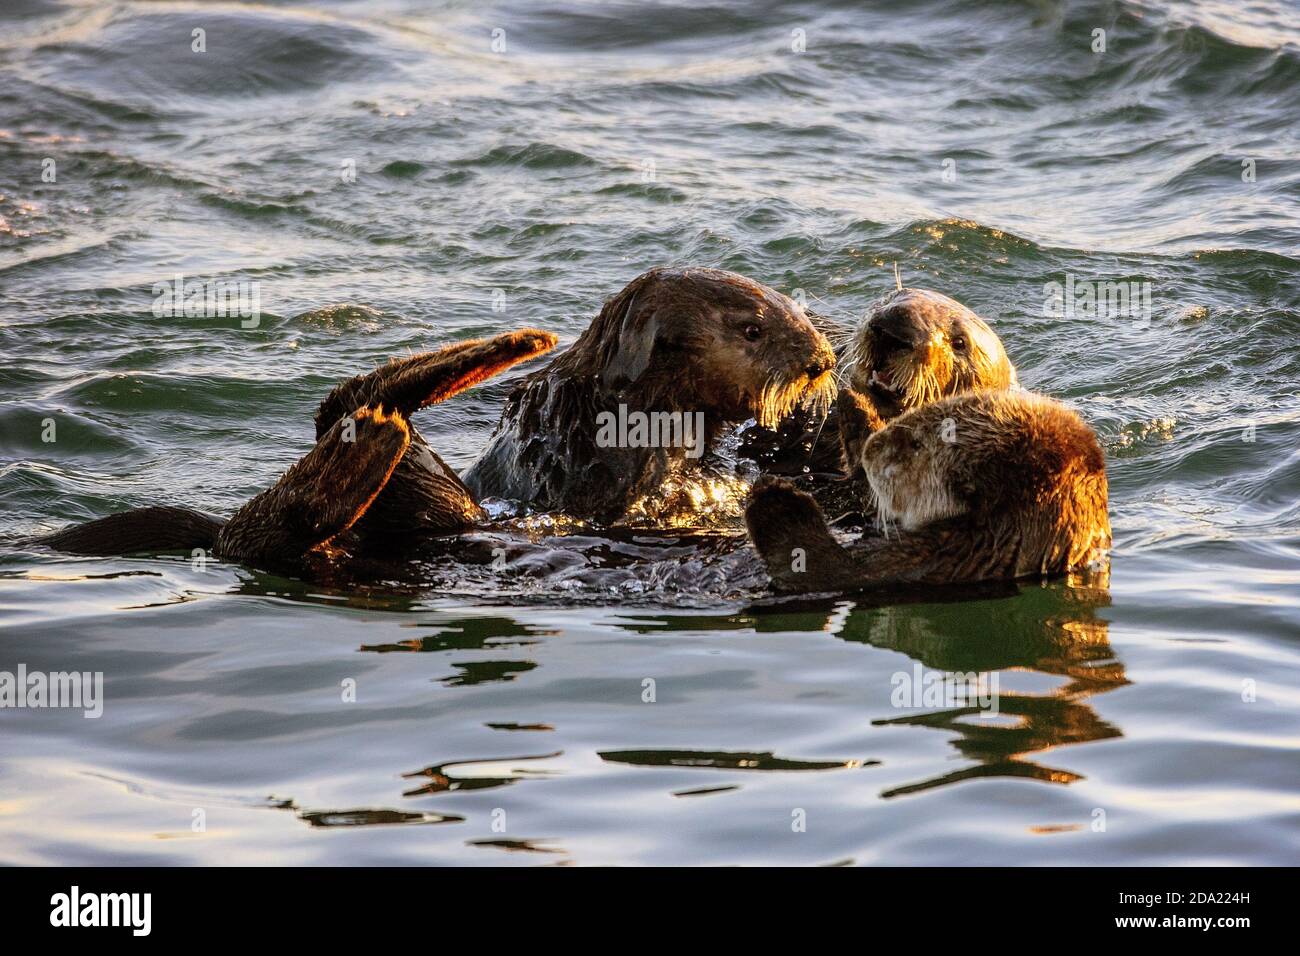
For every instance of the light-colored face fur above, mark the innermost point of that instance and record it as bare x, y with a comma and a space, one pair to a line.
757, 363
942, 460
931, 463
916, 347
908, 467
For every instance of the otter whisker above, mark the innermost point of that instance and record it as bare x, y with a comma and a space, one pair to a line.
762, 414
822, 392
830, 308
779, 398
885, 522
840, 336
827, 394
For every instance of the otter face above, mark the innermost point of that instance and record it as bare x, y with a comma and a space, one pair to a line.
909, 467
713, 341
1024, 469
917, 346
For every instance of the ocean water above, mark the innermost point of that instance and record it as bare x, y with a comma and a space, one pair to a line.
392, 175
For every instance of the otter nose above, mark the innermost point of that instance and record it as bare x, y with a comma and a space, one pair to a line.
901, 326
822, 361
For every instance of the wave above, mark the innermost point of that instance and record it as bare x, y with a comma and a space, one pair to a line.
155, 56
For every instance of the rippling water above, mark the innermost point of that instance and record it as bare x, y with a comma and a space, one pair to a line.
984, 147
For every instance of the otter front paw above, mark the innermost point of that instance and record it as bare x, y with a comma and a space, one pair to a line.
858, 421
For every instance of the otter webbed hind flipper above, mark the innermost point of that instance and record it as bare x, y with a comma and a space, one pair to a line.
322, 495
140, 530
424, 496
362, 441
410, 383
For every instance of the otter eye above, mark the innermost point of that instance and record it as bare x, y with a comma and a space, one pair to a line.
753, 332
959, 343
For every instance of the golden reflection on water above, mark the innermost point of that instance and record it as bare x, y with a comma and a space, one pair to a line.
692, 501
1052, 630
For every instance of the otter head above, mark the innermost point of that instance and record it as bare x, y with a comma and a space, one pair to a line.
997, 455
918, 346
715, 342
705, 340
910, 468
947, 458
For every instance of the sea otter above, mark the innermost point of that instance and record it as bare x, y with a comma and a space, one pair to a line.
695, 342
706, 344
980, 487
916, 346
913, 346
369, 475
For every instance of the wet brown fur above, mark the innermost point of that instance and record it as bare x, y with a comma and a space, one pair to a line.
322, 494
1020, 492
673, 340
425, 496
365, 478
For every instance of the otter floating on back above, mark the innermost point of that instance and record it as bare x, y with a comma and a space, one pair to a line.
981, 487
692, 341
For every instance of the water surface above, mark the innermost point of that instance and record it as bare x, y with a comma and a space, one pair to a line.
1148, 719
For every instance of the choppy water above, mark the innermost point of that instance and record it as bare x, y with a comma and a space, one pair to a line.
603, 139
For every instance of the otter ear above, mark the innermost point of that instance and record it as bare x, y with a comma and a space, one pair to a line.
859, 420
636, 344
